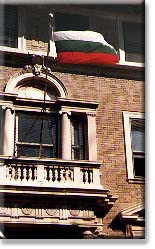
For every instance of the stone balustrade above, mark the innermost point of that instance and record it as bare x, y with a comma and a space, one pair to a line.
56, 173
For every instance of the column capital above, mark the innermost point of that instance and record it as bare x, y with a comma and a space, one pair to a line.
62, 112
11, 108
91, 114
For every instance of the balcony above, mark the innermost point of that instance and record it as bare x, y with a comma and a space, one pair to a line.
44, 191
50, 173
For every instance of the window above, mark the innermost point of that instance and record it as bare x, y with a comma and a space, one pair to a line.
24, 30
78, 138
36, 26
137, 141
54, 127
134, 141
71, 22
36, 135
9, 31
103, 25
133, 41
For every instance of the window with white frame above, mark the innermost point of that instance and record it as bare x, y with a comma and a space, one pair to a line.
50, 127
134, 142
39, 135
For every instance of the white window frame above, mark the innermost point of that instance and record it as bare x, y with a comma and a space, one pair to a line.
128, 116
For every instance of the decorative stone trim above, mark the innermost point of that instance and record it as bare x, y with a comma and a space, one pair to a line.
26, 211
75, 212
51, 212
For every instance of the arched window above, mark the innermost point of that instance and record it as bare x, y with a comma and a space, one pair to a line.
40, 121
33, 119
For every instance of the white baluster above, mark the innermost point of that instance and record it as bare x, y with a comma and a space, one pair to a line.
8, 175
91, 176
13, 175
24, 174
56, 174
67, 174
61, 175
71, 175
30, 174
82, 175
18, 173
86, 176
35, 174
50, 174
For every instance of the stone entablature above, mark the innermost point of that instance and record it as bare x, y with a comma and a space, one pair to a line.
84, 212
56, 213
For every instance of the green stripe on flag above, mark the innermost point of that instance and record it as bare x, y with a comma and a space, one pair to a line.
83, 46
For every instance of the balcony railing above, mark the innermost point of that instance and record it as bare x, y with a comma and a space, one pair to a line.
51, 173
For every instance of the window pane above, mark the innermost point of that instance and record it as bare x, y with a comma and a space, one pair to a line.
103, 25
36, 25
30, 151
29, 135
134, 41
77, 125
137, 135
33, 151
10, 27
29, 128
71, 22
139, 166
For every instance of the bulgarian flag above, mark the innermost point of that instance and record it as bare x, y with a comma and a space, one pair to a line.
83, 47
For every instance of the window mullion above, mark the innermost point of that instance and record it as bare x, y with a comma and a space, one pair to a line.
21, 29
121, 40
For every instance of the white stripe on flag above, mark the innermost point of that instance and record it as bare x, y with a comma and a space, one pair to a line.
81, 36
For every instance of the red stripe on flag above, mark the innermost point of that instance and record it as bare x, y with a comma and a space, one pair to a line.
86, 58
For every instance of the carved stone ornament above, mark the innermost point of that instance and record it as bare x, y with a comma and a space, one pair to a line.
51, 212
36, 69
74, 212
27, 211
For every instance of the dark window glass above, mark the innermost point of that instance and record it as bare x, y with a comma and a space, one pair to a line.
78, 143
138, 144
108, 28
71, 22
29, 135
134, 41
139, 166
9, 31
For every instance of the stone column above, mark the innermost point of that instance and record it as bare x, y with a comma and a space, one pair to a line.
92, 144
9, 122
66, 135
1, 129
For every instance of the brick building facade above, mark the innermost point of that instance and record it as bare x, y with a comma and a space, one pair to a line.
99, 194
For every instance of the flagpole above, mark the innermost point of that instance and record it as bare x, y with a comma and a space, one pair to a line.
50, 37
